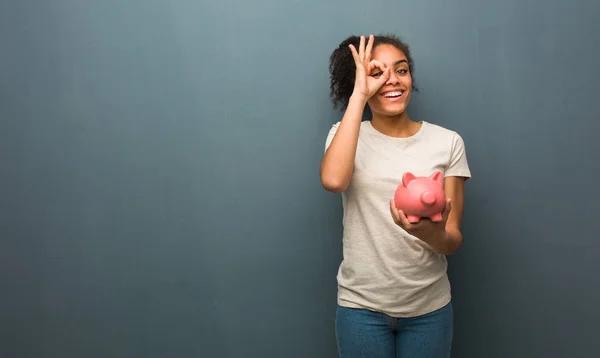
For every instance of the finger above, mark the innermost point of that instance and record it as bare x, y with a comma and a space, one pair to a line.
384, 73
369, 48
387, 73
375, 63
354, 53
394, 212
399, 218
404, 221
384, 77
448, 207
361, 51
370, 67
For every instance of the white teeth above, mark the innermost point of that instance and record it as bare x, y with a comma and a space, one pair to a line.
393, 94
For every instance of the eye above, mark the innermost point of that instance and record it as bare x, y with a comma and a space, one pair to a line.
376, 74
402, 71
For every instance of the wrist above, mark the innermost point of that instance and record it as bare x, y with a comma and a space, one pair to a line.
358, 98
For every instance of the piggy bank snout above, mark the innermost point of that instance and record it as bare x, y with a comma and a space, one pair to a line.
428, 198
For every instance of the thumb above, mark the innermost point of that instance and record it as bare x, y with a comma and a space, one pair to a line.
384, 77
448, 206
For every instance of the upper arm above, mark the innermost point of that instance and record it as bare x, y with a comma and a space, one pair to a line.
456, 174
454, 189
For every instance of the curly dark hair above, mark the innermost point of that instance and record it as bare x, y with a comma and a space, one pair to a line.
342, 69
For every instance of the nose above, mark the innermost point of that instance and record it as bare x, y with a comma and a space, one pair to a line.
393, 80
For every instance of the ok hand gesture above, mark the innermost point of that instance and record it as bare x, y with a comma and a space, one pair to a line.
366, 85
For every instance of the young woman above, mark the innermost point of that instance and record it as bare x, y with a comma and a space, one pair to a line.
394, 296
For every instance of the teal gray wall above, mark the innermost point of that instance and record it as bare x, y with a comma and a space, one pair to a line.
159, 188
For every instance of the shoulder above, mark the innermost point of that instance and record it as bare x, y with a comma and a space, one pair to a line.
442, 134
364, 126
438, 130
336, 125
453, 147
331, 134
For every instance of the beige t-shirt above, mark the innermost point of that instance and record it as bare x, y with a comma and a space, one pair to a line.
384, 268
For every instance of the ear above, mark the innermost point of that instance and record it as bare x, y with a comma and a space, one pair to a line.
437, 176
407, 178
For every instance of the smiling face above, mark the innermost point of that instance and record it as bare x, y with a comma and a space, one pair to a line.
393, 97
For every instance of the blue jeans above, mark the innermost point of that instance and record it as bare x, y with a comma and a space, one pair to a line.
363, 333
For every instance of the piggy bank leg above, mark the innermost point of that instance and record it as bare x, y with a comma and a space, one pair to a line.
437, 217
413, 219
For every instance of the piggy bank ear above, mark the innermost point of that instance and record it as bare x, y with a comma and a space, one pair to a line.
437, 176
407, 178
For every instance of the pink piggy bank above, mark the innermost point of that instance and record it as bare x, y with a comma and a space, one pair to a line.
421, 197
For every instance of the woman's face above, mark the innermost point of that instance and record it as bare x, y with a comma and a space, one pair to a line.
393, 97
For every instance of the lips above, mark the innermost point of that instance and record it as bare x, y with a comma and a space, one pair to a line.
395, 95
392, 94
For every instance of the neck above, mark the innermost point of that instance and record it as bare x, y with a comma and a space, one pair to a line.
395, 126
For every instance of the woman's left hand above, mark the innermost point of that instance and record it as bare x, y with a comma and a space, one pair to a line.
432, 233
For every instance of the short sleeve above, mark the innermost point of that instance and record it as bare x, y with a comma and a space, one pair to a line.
331, 134
458, 165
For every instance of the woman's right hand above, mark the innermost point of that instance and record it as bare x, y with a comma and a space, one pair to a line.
367, 83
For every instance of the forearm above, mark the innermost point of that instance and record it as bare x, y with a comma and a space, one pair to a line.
338, 162
448, 243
